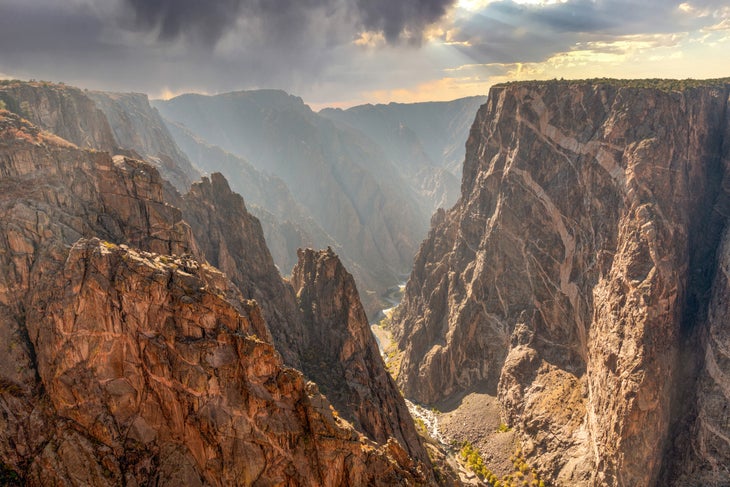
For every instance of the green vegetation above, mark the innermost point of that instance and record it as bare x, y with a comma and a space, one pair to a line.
503, 428
475, 463
2, 105
420, 427
523, 475
652, 83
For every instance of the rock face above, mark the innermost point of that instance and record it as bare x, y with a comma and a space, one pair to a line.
348, 366
233, 241
118, 123
572, 278
63, 110
128, 359
317, 322
702, 452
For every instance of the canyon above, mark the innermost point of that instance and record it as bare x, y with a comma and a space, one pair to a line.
364, 181
565, 321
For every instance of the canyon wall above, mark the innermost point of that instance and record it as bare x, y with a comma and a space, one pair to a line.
138, 127
573, 276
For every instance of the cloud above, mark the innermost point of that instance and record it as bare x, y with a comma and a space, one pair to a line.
345, 50
508, 31
207, 22
403, 18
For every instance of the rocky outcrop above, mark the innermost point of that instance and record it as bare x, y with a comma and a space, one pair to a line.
138, 127
128, 359
571, 277
118, 123
317, 322
172, 382
233, 241
348, 366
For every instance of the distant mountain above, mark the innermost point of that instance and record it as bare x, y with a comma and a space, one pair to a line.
426, 141
340, 176
287, 225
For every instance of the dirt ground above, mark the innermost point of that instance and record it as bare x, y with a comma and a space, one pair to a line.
475, 418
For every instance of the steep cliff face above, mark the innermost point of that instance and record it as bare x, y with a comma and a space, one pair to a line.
702, 451
317, 322
233, 241
138, 127
165, 374
574, 269
347, 366
118, 123
127, 359
63, 110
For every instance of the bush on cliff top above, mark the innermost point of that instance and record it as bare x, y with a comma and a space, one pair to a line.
651, 83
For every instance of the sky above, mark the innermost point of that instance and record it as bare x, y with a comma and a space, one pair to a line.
348, 52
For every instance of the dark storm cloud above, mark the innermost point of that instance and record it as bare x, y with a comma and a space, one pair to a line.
302, 46
208, 21
394, 18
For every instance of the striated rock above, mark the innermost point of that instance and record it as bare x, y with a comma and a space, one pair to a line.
347, 366
571, 276
127, 359
702, 451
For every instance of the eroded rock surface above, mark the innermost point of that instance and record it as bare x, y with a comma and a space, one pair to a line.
572, 274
